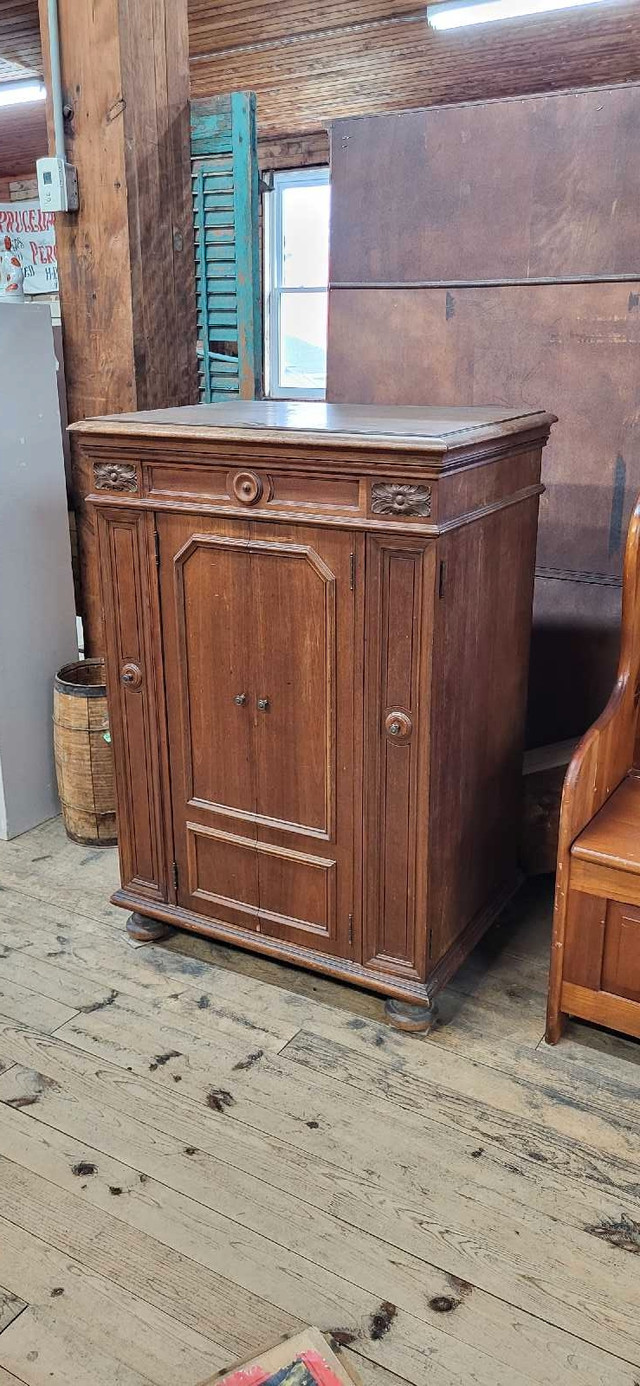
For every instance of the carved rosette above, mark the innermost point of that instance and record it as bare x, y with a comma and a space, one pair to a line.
115, 476
397, 498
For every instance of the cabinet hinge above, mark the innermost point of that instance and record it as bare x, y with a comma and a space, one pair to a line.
350, 928
174, 876
429, 943
156, 540
352, 571
442, 577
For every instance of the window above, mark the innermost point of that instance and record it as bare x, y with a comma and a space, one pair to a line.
296, 279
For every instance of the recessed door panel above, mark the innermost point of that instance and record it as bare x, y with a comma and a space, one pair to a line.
621, 957
266, 888
212, 577
295, 661
223, 875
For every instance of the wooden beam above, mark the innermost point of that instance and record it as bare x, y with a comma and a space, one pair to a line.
126, 257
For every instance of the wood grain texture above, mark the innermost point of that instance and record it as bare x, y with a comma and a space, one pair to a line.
602, 1008
125, 548
480, 663
83, 754
611, 837
256, 792
125, 259
20, 41
201, 1233
401, 582
573, 147
499, 244
310, 65
276, 744
572, 346
23, 139
597, 847
10, 1306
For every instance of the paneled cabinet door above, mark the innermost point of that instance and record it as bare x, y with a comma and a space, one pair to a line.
259, 627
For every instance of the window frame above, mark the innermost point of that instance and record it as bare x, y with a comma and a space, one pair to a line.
274, 289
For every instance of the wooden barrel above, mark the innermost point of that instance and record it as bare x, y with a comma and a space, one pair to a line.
84, 755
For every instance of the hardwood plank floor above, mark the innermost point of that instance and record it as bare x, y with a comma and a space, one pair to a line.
201, 1150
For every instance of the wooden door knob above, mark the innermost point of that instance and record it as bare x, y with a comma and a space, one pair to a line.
398, 725
247, 487
131, 675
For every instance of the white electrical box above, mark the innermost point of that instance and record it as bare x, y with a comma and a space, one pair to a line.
57, 185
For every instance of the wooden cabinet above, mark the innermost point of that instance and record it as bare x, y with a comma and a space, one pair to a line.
317, 622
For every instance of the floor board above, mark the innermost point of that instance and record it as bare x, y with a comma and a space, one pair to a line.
201, 1150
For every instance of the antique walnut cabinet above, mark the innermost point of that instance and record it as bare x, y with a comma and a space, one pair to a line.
317, 624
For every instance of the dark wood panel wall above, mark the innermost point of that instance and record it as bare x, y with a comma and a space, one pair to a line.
23, 139
498, 262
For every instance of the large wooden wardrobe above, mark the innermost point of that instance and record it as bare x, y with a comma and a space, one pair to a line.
317, 626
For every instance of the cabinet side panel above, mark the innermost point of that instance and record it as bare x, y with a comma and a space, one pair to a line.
399, 597
481, 654
133, 713
584, 939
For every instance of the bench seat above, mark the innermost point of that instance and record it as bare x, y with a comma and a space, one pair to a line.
612, 838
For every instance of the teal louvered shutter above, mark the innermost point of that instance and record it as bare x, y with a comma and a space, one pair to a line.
224, 165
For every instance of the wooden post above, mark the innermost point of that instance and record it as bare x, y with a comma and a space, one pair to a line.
126, 257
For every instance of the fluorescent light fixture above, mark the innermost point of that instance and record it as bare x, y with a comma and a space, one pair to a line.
19, 93
455, 15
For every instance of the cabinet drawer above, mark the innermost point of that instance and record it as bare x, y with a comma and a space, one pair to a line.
255, 488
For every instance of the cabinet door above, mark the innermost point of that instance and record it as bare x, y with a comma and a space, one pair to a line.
305, 632
259, 636
205, 596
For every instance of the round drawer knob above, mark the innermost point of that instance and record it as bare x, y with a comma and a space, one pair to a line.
247, 487
131, 675
398, 725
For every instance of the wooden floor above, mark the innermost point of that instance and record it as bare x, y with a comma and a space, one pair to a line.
201, 1151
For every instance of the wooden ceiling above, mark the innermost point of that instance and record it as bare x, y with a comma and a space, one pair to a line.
23, 131
311, 61
20, 53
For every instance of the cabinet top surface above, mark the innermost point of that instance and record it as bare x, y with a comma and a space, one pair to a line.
313, 421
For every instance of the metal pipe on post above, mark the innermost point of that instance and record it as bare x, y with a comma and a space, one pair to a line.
57, 180
56, 80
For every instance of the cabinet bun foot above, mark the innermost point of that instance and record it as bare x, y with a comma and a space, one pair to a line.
416, 1017
145, 930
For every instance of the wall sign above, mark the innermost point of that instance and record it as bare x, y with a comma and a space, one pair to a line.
33, 239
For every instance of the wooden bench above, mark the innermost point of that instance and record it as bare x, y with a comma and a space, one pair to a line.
595, 954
